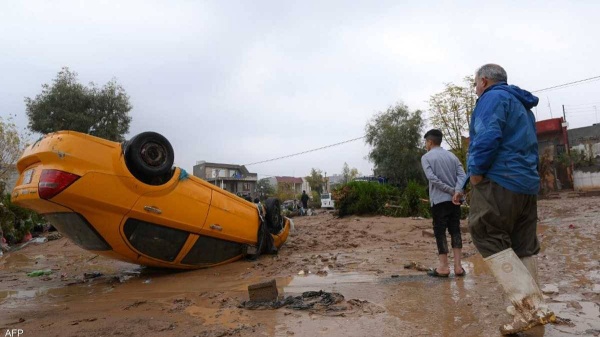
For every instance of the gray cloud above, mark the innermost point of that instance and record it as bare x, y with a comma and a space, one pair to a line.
242, 82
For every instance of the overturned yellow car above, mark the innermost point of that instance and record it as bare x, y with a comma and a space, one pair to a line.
127, 201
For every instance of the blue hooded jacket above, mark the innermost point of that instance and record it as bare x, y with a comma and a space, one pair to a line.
503, 143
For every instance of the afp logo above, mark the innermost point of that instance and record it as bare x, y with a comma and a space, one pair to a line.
13, 332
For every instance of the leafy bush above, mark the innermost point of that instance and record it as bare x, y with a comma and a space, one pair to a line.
464, 211
315, 202
359, 197
412, 200
16, 221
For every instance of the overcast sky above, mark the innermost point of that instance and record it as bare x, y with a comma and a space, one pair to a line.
244, 81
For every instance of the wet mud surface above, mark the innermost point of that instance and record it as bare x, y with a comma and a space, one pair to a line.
360, 258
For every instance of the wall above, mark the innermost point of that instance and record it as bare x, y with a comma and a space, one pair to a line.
586, 175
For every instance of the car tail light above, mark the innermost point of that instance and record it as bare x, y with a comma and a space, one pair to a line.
53, 182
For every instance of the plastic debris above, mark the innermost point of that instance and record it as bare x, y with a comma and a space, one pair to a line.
41, 272
39, 239
183, 174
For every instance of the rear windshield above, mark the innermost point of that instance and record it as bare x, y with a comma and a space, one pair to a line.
78, 229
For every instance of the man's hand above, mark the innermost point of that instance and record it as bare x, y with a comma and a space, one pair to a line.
456, 198
476, 180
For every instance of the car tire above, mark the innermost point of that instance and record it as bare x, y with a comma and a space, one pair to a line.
273, 216
149, 157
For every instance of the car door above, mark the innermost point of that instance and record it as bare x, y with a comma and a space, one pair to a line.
160, 222
231, 218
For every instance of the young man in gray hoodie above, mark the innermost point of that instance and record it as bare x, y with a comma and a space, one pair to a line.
446, 179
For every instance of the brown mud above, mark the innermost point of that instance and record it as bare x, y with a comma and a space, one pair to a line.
361, 258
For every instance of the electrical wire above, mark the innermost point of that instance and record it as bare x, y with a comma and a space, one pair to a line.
595, 78
560, 86
304, 152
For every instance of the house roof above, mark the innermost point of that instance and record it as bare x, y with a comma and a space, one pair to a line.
291, 180
242, 168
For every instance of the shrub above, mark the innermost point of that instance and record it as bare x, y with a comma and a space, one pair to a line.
412, 200
359, 197
16, 221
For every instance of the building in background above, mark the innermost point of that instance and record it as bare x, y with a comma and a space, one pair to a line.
291, 185
585, 154
553, 143
233, 178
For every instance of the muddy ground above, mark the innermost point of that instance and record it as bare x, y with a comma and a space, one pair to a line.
361, 258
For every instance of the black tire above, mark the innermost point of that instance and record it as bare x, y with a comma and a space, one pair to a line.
149, 157
273, 217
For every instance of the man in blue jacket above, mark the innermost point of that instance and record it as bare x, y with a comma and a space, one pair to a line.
502, 165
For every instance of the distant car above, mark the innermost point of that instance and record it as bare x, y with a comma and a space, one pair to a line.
127, 201
289, 205
327, 201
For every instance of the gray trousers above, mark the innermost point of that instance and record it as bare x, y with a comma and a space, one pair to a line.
500, 219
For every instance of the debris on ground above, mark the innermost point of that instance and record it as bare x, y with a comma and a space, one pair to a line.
317, 302
263, 292
416, 265
39, 239
428, 233
54, 236
91, 275
37, 273
550, 289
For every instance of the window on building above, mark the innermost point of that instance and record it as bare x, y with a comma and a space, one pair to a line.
246, 187
221, 173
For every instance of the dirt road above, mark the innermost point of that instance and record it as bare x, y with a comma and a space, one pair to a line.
361, 258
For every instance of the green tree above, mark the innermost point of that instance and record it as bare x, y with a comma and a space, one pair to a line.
349, 173
12, 144
315, 180
450, 112
265, 188
15, 221
66, 104
396, 145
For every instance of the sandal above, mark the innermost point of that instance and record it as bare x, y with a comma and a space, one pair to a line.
464, 272
434, 273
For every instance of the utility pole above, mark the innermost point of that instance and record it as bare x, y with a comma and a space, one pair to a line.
549, 107
564, 114
596, 110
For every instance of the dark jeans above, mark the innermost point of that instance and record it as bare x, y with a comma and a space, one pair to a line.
500, 219
446, 215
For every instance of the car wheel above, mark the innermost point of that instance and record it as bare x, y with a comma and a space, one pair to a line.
149, 157
273, 218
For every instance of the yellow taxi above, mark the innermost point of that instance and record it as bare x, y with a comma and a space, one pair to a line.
127, 201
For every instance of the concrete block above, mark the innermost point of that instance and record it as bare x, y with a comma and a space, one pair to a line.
263, 292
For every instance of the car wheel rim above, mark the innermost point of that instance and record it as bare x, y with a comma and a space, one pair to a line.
153, 154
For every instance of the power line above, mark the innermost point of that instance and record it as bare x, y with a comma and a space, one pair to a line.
595, 78
304, 152
591, 104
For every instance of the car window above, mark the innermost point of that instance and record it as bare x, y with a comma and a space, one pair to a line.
156, 241
208, 250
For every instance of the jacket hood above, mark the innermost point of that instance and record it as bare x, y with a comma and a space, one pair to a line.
525, 97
